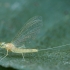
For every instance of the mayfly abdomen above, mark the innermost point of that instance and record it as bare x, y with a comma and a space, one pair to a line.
19, 50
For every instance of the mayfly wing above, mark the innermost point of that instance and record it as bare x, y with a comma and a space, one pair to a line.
28, 32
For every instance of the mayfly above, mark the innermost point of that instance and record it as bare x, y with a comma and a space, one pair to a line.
27, 33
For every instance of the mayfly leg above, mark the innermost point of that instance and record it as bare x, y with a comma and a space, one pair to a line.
22, 53
4, 56
23, 56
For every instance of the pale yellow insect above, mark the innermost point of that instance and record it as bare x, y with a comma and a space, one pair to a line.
28, 32
24, 36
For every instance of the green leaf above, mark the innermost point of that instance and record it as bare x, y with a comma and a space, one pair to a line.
56, 32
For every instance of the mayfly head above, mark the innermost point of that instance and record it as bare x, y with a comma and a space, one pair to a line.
2, 45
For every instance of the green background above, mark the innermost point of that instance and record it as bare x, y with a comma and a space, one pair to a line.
55, 32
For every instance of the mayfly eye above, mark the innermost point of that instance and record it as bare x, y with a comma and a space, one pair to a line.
2, 43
